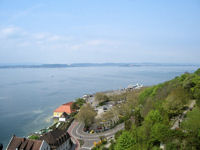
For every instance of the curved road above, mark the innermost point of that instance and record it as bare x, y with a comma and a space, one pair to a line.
76, 131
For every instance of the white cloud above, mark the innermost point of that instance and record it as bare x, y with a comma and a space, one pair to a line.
95, 42
77, 46
5, 32
29, 43
39, 36
100, 42
8, 30
54, 38
24, 44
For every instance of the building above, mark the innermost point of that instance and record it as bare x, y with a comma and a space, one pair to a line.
18, 143
67, 108
58, 140
64, 117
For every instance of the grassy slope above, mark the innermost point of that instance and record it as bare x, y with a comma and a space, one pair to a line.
158, 105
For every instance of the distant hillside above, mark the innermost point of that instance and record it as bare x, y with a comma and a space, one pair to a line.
35, 66
88, 65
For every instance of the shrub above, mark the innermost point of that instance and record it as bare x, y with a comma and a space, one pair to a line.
125, 141
34, 137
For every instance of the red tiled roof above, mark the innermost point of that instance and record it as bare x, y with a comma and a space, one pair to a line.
23, 143
65, 108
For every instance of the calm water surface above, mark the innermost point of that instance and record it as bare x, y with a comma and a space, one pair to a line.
29, 96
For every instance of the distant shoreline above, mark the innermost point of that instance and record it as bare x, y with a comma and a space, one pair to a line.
10, 66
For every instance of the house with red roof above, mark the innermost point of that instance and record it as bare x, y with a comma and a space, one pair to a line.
64, 108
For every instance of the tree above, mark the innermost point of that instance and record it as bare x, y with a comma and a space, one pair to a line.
153, 117
197, 72
192, 122
118, 133
125, 141
101, 98
86, 115
145, 131
159, 133
176, 101
137, 117
128, 124
78, 103
191, 126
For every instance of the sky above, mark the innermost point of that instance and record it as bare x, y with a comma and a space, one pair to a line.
81, 31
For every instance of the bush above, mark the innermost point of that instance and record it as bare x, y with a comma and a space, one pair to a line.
145, 94
78, 103
101, 98
197, 72
117, 134
125, 141
34, 137
176, 101
172, 146
128, 124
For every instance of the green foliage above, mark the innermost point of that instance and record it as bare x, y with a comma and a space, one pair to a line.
150, 92
197, 72
34, 137
118, 133
153, 117
125, 141
192, 122
137, 117
112, 146
159, 132
101, 98
176, 101
174, 93
118, 97
145, 94
158, 104
172, 146
128, 124
198, 103
78, 103
196, 93
86, 115
191, 82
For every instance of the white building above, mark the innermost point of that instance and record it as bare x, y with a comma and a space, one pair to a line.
64, 117
59, 140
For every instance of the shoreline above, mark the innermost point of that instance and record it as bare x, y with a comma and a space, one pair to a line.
86, 97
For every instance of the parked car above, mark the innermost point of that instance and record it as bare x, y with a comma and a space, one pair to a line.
105, 108
92, 131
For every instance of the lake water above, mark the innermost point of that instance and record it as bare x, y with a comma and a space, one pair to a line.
29, 96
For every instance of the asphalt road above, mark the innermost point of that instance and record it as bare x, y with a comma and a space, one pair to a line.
76, 131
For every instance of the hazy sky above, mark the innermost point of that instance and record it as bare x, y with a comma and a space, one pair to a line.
71, 31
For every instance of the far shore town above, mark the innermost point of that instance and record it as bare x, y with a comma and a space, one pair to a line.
73, 129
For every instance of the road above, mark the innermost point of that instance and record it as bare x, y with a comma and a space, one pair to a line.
76, 131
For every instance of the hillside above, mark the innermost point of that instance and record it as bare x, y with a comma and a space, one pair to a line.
150, 113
